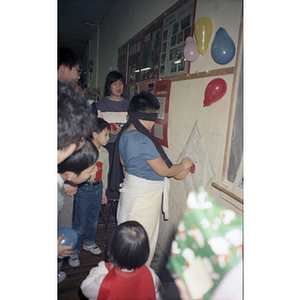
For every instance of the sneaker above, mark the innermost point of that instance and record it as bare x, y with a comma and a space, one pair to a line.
93, 248
74, 261
61, 276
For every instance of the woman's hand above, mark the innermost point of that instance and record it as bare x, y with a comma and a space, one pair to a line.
116, 131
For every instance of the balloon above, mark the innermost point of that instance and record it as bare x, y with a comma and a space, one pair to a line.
223, 48
112, 126
192, 169
203, 30
184, 173
70, 236
214, 91
190, 50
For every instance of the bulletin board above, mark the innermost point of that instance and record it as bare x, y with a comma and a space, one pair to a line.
161, 89
134, 60
177, 26
122, 61
156, 52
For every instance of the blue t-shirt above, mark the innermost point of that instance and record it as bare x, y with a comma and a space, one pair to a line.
135, 148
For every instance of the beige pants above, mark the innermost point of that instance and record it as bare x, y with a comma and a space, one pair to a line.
146, 210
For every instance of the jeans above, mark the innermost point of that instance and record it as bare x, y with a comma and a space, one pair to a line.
87, 209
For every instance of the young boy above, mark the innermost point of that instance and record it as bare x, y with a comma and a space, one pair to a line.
125, 276
90, 195
76, 169
146, 166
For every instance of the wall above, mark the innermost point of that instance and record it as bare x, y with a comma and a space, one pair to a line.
186, 103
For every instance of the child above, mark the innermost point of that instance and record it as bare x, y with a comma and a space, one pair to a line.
125, 276
146, 166
74, 123
76, 169
90, 196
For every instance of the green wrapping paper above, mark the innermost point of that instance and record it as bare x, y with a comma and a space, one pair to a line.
207, 245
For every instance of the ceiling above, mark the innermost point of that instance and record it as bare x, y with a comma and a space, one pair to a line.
78, 21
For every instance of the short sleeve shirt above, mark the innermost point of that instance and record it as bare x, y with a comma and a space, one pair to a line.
113, 112
135, 149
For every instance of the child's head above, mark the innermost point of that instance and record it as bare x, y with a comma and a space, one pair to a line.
75, 120
144, 102
101, 133
129, 246
111, 78
79, 166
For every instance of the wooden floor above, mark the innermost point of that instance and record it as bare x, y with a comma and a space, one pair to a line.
69, 289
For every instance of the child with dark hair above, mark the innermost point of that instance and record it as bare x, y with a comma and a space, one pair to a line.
75, 169
125, 276
90, 195
147, 167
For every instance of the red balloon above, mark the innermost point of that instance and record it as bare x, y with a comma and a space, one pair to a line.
192, 169
214, 91
113, 126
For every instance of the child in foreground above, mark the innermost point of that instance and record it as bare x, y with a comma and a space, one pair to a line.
125, 276
90, 195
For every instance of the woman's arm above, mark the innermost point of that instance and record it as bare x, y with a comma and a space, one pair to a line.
160, 167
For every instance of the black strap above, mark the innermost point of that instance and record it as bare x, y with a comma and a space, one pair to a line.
134, 118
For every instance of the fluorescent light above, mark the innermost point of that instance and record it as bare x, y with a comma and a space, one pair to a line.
145, 69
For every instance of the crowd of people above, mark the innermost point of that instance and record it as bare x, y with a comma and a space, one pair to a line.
105, 150
107, 147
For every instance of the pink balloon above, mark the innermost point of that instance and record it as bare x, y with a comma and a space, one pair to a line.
190, 51
214, 91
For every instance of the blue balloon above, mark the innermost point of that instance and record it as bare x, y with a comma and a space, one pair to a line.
70, 236
223, 48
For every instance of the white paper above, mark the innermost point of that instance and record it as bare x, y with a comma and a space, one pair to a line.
203, 171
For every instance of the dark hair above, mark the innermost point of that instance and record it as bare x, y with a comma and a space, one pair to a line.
128, 246
101, 124
75, 118
67, 57
144, 102
111, 77
80, 160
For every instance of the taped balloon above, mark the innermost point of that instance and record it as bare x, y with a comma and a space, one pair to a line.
203, 31
190, 51
214, 91
223, 48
